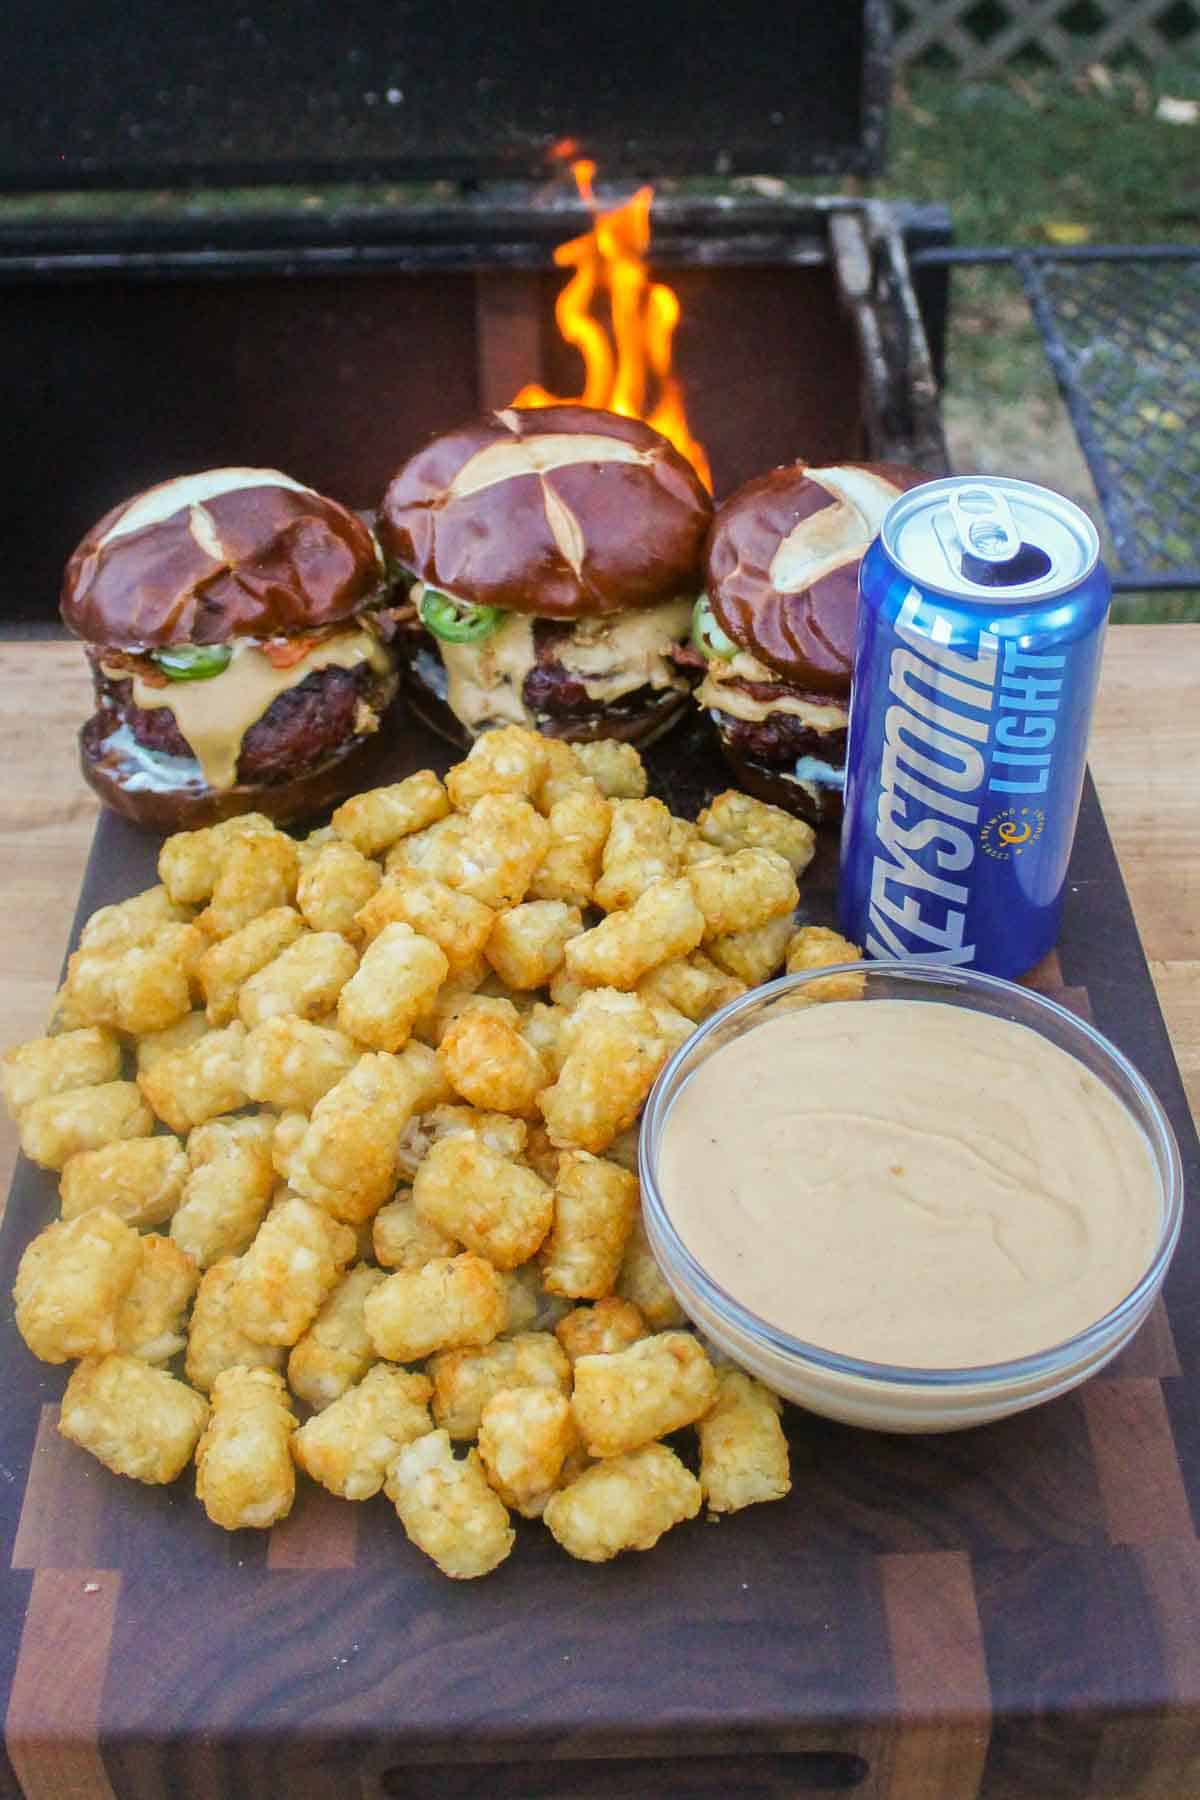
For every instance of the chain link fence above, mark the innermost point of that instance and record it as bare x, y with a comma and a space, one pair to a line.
981, 38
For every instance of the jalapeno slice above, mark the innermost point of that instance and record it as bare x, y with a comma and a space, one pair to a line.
457, 621
192, 662
707, 635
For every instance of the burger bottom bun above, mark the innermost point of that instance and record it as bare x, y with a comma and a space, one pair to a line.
357, 765
815, 805
639, 728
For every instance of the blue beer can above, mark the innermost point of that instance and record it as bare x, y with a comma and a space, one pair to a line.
982, 608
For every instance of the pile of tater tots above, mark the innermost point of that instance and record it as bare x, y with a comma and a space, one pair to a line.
346, 1132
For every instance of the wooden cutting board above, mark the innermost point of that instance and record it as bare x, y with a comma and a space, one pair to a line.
1011, 1613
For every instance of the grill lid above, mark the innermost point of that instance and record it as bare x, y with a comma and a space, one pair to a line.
298, 90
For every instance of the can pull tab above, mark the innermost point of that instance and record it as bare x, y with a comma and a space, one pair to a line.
984, 523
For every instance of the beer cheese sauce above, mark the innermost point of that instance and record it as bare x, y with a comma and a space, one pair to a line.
909, 1182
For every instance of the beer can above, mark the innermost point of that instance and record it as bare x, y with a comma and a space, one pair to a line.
982, 608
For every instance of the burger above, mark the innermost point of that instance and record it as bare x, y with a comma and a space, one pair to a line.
231, 621
774, 631
549, 560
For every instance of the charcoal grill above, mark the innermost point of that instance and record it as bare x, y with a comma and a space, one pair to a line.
139, 341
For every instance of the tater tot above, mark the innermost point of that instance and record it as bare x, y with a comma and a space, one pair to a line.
189, 1086
743, 1452
491, 1064
624, 1503
579, 822
57, 1065
435, 850
595, 1205
215, 1341
402, 1239
817, 947
642, 1281
604, 1078
525, 1436
258, 871
133, 921
286, 1140
349, 1447
611, 1324
615, 767
285, 1275
335, 1351
753, 956
510, 760
244, 1471
348, 1158
631, 1396
447, 1508
497, 1208
530, 1307
503, 843
736, 821
398, 977
291, 1063
642, 847
142, 988
151, 1316
71, 1281
181, 1036
450, 1302
458, 925
139, 1179
742, 890
190, 861
692, 985
228, 1188
499, 1131
229, 964
465, 1380
58, 1127
333, 885
376, 819
664, 922
306, 978
527, 942
138, 1420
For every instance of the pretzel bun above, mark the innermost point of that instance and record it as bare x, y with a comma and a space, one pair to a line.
227, 553
559, 511
783, 558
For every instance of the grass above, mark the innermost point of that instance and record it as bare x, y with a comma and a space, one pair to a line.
1038, 159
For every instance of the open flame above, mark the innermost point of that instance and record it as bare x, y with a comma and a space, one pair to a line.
626, 370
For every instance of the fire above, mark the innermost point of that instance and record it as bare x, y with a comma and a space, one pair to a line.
626, 370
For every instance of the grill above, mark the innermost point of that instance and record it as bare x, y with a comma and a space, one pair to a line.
142, 340
1119, 326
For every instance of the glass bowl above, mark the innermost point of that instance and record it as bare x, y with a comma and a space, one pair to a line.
880, 1396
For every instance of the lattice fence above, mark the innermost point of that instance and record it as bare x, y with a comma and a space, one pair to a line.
982, 37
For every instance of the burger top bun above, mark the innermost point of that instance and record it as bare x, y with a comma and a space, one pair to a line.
564, 511
783, 560
227, 553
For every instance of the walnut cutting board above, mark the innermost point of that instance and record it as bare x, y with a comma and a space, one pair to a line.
1011, 1612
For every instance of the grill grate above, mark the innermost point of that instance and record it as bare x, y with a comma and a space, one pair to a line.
1120, 325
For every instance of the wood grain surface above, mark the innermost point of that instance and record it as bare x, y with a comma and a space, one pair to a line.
1002, 1614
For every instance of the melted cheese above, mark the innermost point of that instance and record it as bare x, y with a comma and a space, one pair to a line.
484, 681
716, 691
611, 657
215, 715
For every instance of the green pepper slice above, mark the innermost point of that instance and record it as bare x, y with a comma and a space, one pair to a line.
707, 635
192, 662
457, 621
